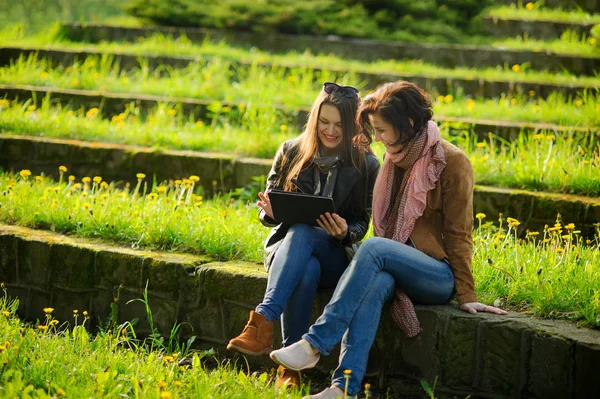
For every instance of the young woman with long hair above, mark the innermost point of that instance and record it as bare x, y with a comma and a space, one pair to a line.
323, 160
422, 218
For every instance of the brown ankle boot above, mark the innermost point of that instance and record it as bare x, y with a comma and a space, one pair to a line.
257, 337
287, 379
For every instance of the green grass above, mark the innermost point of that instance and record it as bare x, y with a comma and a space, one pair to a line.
35, 15
533, 162
254, 133
214, 80
56, 359
570, 42
556, 274
537, 12
166, 216
163, 45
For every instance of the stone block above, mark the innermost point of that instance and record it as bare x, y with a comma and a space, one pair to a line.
162, 277
35, 302
243, 282
550, 367
8, 258
205, 322
115, 268
72, 266
587, 362
34, 263
500, 369
65, 302
457, 348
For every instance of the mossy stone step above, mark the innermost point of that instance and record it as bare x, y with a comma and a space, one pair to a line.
483, 355
439, 84
121, 163
446, 55
547, 30
114, 104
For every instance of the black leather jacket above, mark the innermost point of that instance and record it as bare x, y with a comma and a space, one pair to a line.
349, 179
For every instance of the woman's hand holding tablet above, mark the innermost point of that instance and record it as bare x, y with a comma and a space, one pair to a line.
335, 225
265, 204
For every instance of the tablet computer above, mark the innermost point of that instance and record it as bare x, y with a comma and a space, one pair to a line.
291, 208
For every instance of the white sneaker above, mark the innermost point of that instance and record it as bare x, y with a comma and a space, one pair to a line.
329, 393
298, 356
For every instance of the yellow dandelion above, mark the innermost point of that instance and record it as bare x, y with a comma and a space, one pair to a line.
62, 168
283, 128
48, 310
531, 93
570, 226
480, 216
161, 189
537, 108
25, 173
560, 250
31, 108
538, 136
533, 233
92, 112
347, 372
6, 313
152, 196
85, 313
86, 179
194, 178
71, 178
592, 40
162, 384
97, 179
60, 392
529, 6
140, 176
165, 395
177, 182
42, 327
172, 112
200, 124
39, 178
449, 98
516, 68
75, 311
481, 144
178, 384
53, 322
579, 103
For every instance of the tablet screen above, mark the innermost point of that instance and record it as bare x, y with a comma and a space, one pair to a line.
291, 208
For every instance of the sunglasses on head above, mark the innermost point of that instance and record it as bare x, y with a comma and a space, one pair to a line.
347, 91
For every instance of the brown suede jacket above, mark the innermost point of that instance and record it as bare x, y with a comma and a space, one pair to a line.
444, 229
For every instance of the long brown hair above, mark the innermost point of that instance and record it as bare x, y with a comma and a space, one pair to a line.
396, 102
306, 148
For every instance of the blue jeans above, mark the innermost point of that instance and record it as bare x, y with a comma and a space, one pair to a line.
356, 304
308, 258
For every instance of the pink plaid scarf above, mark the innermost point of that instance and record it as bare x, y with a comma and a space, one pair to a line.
395, 214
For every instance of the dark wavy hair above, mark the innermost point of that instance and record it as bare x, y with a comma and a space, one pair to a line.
397, 103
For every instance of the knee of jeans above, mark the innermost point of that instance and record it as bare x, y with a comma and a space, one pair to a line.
373, 248
301, 231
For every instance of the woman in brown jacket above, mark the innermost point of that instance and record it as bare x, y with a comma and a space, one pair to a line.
422, 217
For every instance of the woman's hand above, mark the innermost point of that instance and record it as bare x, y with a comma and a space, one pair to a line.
474, 307
265, 204
334, 225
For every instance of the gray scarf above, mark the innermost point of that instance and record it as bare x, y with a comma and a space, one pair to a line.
329, 165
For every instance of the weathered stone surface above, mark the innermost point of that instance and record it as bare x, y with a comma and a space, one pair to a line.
457, 347
162, 276
116, 268
65, 302
34, 265
205, 322
500, 349
72, 266
8, 259
587, 361
539, 29
550, 357
243, 282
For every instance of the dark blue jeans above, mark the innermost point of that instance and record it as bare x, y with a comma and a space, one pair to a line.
367, 283
307, 259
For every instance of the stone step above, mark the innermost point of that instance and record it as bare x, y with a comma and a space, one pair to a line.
539, 29
114, 104
482, 355
432, 84
446, 55
121, 163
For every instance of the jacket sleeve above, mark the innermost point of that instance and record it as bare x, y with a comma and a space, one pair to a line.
457, 225
358, 223
272, 177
